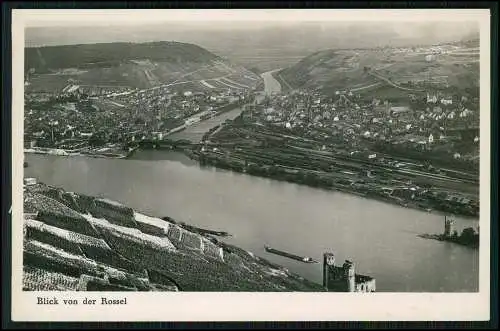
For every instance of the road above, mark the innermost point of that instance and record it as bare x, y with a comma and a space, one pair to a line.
168, 85
376, 75
229, 83
357, 89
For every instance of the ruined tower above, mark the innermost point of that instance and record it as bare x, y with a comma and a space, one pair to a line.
328, 264
349, 275
343, 278
449, 227
338, 278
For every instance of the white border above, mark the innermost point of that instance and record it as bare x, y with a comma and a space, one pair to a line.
157, 306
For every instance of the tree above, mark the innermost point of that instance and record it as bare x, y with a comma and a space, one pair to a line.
469, 236
96, 140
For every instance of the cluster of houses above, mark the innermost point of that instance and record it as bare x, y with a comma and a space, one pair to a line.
345, 115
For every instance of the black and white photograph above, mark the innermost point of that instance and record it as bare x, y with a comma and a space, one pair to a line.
251, 151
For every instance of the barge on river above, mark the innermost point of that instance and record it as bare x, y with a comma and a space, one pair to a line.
204, 231
304, 259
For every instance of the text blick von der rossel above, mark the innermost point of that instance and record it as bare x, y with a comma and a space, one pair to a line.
85, 301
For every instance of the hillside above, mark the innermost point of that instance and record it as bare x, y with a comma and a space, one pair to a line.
267, 45
389, 72
75, 242
129, 65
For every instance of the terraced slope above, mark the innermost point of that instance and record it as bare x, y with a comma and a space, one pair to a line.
387, 71
131, 65
80, 243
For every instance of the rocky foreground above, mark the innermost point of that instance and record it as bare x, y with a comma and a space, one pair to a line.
74, 242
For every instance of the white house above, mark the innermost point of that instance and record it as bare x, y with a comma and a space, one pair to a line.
446, 101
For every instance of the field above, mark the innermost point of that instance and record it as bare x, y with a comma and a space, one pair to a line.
450, 67
133, 75
127, 65
43, 59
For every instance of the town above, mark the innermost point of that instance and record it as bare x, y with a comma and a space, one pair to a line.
419, 149
72, 122
307, 156
401, 154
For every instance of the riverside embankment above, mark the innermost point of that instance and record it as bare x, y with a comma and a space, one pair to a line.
79, 242
335, 171
382, 238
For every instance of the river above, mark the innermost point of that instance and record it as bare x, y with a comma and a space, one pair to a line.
380, 238
196, 131
270, 83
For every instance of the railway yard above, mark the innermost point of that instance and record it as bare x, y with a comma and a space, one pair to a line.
337, 155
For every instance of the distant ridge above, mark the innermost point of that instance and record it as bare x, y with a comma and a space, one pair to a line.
110, 54
337, 69
129, 65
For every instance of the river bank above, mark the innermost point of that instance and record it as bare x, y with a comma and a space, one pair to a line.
73, 239
122, 151
380, 238
197, 118
455, 240
64, 152
298, 175
256, 149
322, 180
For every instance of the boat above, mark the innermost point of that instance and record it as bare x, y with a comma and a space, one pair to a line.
205, 231
304, 259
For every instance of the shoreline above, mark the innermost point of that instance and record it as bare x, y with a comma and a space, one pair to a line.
216, 112
63, 152
440, 237
163, 244
293, 178
66, 152
194, 157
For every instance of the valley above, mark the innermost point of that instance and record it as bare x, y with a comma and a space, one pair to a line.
394, 124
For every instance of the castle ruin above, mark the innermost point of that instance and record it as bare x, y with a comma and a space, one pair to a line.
344, 278
449, 227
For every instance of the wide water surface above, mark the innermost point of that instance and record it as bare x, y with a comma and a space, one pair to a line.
380, 238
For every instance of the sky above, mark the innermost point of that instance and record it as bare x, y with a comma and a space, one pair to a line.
203, 33
93, 17
259, 32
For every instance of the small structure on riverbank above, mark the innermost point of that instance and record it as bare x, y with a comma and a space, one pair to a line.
449, 228
344, 278
468, 237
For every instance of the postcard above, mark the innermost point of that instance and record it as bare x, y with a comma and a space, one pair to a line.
235, 165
